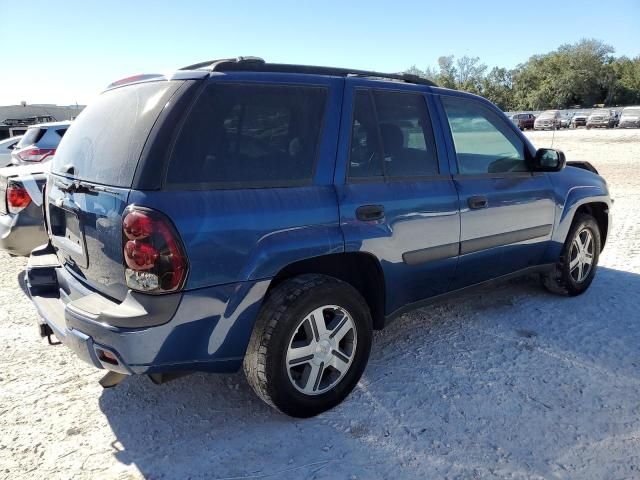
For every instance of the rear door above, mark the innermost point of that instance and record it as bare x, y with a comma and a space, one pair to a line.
92, 174
507, 211
397, 199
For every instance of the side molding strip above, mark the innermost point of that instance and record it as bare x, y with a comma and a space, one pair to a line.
483, 243
430, 254
449, 250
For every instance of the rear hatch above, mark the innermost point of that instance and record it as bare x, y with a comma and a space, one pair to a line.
91, 176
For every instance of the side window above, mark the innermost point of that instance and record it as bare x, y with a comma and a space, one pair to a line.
250, 135
407, 136
484, 142
391, 136
61, 132
365, 157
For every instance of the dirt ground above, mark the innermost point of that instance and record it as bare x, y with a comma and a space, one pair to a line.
509, 382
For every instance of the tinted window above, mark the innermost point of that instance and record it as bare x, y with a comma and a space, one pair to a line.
250, 135
365, 159
394, 138
31, 137
107, 138
61, 132
484, 142
407, 137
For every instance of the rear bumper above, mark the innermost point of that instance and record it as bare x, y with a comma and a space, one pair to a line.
206, 329
20, 233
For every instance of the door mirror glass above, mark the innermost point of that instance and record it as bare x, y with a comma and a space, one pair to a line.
549, 160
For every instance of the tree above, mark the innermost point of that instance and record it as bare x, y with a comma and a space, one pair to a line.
584, 73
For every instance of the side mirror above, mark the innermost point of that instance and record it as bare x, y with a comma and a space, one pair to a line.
549, 160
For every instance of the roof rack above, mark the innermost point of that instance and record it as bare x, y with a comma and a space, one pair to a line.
257, 64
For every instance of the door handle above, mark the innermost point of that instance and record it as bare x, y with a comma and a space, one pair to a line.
478, 202
367, 213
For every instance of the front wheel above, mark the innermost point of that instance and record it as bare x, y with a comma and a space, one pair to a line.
310, 345
576, 268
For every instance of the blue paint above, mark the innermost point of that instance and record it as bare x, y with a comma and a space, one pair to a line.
238, 240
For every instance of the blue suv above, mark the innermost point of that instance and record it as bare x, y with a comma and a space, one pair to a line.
242, 213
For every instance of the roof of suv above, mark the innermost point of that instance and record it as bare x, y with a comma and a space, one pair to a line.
256, 64
51, 124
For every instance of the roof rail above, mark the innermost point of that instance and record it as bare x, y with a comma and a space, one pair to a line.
257, 64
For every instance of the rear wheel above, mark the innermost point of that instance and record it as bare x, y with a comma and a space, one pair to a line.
576, 268
310, 345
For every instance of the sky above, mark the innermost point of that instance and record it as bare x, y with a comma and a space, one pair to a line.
66, 52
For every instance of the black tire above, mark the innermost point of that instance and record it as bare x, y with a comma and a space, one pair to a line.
265, 361
560, 280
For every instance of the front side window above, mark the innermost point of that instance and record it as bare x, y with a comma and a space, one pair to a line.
484, 142
392, 136
250, 135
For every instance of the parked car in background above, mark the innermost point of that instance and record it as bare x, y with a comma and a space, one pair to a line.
601, 118
524, 121
21, 219
548, 120
579, 119
245, 214
39, 143
630, 117
6, 147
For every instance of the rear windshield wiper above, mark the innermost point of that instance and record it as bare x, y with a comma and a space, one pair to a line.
78, 187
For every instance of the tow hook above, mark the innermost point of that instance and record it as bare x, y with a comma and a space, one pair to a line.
111, 379
45, 331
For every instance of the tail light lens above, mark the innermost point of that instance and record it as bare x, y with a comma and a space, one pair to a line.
153, 253
17, 198
35, 154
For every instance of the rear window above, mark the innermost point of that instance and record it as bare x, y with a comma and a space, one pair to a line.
249, 135
31, 136
107, 138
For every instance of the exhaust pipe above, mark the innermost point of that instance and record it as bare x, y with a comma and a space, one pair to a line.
111, 379
164, 377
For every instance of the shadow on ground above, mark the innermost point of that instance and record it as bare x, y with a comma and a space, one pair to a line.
503, 381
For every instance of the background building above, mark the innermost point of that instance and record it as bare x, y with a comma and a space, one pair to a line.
14, 119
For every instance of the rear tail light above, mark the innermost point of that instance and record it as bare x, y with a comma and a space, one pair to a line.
17, 198
153, 253
35, 154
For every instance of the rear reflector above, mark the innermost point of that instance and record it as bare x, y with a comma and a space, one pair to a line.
36, 154
17, 198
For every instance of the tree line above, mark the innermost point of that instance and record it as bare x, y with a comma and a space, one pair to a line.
583, 74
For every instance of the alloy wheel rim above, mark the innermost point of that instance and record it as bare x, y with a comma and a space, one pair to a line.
321, 350
581, 255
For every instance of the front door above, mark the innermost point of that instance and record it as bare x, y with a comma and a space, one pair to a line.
507, 211
397, 200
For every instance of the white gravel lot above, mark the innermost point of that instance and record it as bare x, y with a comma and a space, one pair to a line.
509, 382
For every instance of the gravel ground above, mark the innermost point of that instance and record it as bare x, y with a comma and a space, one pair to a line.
509, 382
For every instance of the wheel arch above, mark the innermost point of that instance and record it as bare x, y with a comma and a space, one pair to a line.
361, 270
599, 211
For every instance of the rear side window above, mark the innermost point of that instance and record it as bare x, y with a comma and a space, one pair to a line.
31, 136
61, 132
107, 138
249, 135
391, 135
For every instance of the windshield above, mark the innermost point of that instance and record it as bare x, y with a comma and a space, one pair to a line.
631, 112
105, 142
601, 112
548, 114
